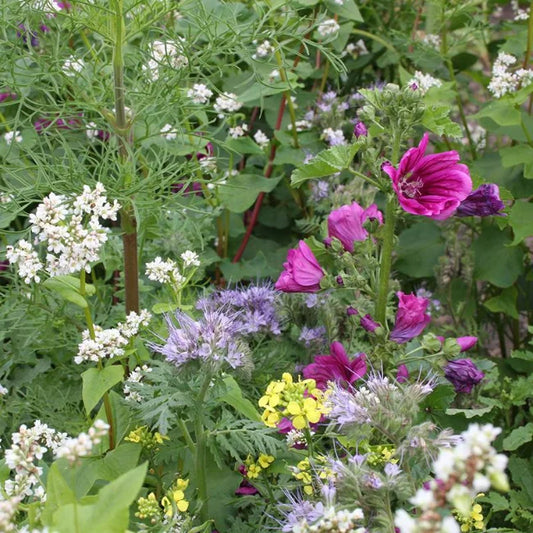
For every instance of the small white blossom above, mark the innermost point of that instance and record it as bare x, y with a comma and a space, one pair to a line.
423, 82
505, 81
301, 125
238, 131
3, 390
168, 132
27, 260
91, 131
328, 27
226, 102
165, 53
190, 258
263, 50
199, 93
356, 49
261, 139
13, 136
519, 12
432, 40
73, 66
164, 271
81, 446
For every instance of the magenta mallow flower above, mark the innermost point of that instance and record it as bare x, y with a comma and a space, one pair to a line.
302, 271
335, 367
464, 342
402, 375
463, 374
369, 324
346, 223
411, 318
7, 95
483, 202
360, 130
431, 185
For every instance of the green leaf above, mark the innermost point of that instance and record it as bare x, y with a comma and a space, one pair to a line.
234, 397
494, 261
243, 145
505, 302
58, 491
521, 220
68, 287
518, 155
436, 119
470, 413
241, 191
108, 513
346, 9
518, 437
522, 474
97, 381
502, 112
419, 250
164, 307
325, 163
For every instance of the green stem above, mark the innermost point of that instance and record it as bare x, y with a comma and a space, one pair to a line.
90, 327
290, 105
366, 178
187, 435
309, 439
200, 459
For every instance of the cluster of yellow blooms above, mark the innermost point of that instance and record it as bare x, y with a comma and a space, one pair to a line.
304, 473
381, 454
146, 438
301, 402
150, 508
254, 468
473, 522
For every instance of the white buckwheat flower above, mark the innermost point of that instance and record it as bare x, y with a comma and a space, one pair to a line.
423, 82
164, 271
238, 131
328, 27
168, 133
165, 53
505, 81
519, 12
199, 93
27, 260
3, 390
11, 136
263, 50
73, 66
81, 446
261, 139
190, 258
226, 102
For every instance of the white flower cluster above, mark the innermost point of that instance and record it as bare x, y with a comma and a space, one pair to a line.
8, 510
328, 27
168, 132
433, 40
81, 446
261, 139
334, 521
92, 131
166, 53
333, 137
263, 50
135, 376
3, 390
110, 343
505, 81
199, 93
11, 136
355, 49
423, 82
226, 102
164, 271
73, 66
519, 12
28, 446
238, 131
6, 198
190, 258
301, 125
71, 230
461, 473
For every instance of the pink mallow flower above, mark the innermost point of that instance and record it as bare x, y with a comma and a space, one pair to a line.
411, 318
335, 367
431, 185
346, 223
302, 271
465, 343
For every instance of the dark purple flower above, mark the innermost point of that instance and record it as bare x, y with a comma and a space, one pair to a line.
339, 280
7, 95
346, 223
369, 324
335, 367
402, 375
463, 374
411, 318
360, 130
483, 202
351, 311
302, 271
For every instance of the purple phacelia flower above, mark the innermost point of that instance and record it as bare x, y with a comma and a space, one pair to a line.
463, 374
312, 336
483, 202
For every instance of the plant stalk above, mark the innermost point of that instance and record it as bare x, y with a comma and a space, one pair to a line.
200, 459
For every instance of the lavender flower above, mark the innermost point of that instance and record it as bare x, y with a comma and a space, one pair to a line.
299, 512
254, 308
310, 336
215, 339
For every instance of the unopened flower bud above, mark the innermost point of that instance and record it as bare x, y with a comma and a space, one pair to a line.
360, 130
